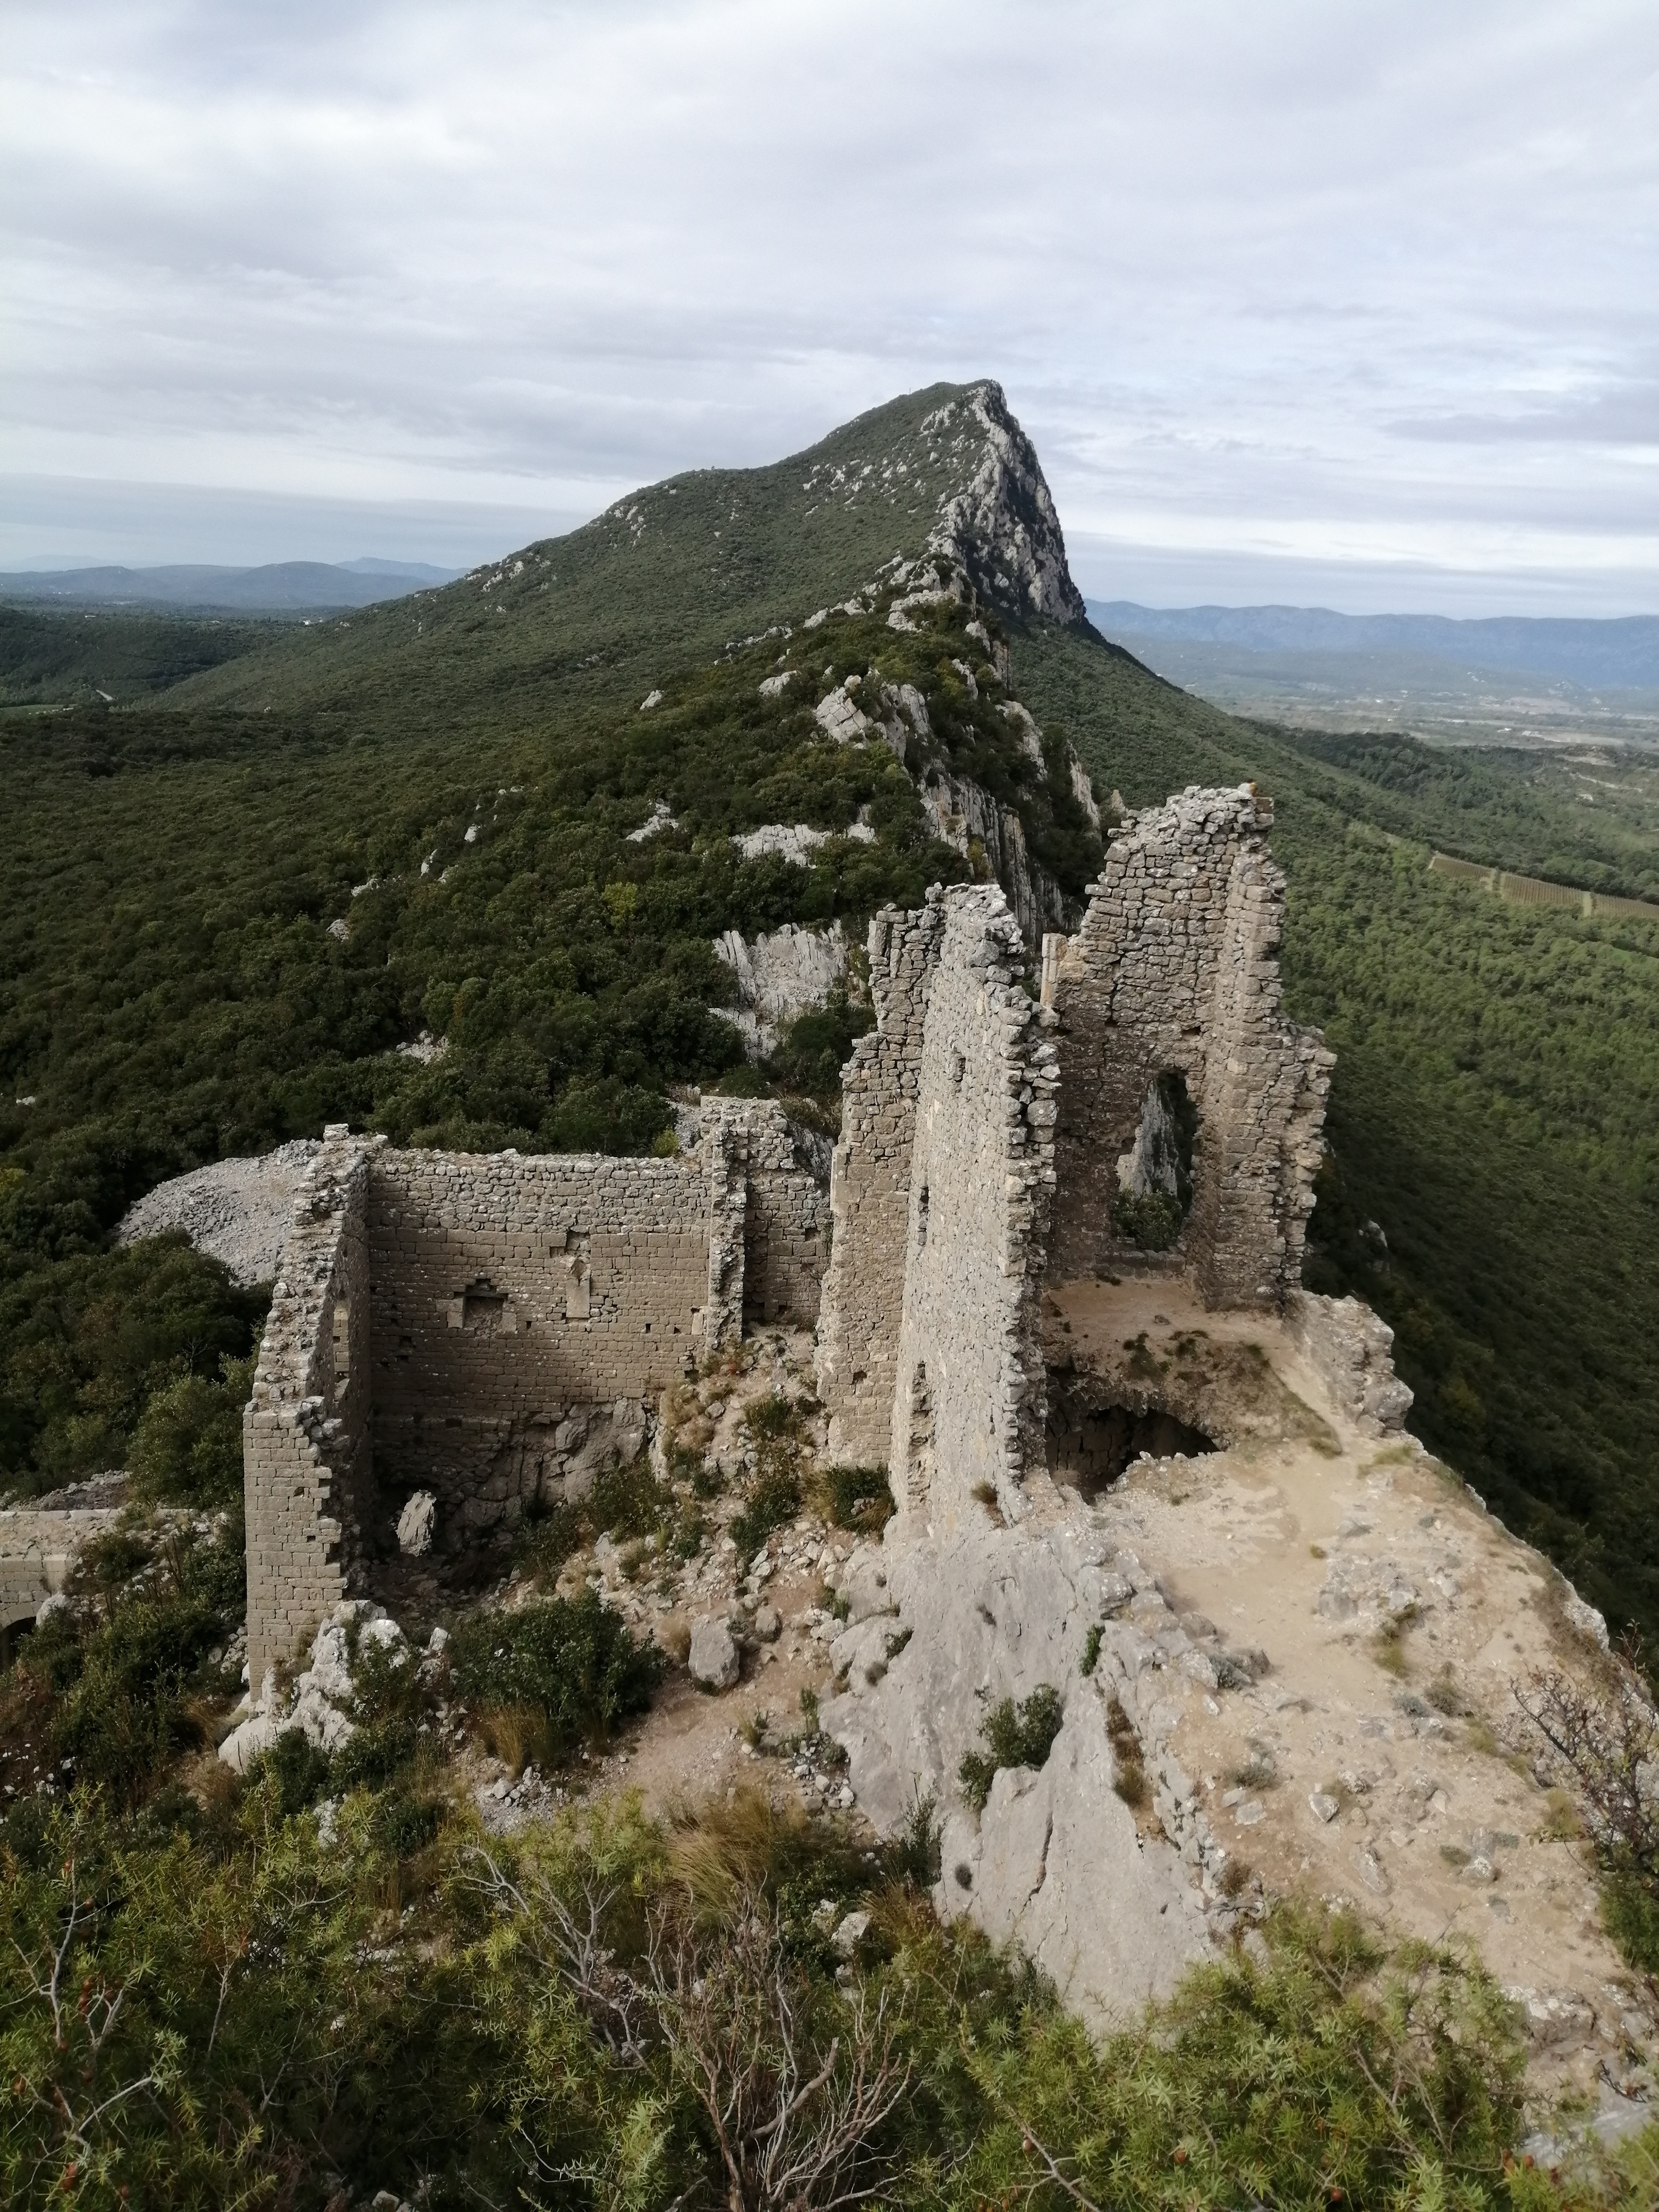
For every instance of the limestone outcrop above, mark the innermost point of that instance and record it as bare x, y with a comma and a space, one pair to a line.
237, 1211
1055, 1860
779, 976
1002, 526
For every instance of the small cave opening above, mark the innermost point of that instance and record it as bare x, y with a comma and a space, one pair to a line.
1090, 1446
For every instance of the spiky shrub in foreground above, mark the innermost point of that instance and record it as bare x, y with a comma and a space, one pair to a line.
250, 2015
1334, 2073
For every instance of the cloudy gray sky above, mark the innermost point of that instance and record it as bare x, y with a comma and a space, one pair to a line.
1354, 303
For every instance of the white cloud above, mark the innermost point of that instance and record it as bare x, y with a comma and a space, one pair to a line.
1362, 291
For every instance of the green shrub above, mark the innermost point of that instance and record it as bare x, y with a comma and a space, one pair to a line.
110, 1687
628, 1500
187, 1446
770, 1417
1333, 2075
1152, 1219
571, 1661
404, 1825
1015, 1735
299, 1768
816, 1047
774, 1500
860, 1497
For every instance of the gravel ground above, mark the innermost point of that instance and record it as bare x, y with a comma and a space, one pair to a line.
237, 1211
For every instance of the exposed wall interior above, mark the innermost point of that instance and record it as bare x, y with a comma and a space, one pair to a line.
492, 1329
1175, 973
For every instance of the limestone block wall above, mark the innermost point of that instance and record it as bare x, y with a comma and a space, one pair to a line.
863, 1297
968, 1407
492, 1329
786, 1218
37, 1550
307, 1446
513, 1297
1174, 969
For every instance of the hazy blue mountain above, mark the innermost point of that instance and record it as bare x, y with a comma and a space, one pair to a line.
1625, 651
275, 587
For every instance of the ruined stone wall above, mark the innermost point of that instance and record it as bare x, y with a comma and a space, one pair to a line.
1174, 970
491, 1329
968, 1408
786, 1222
520, 1303
307, 1446
869, 1189
526, 1310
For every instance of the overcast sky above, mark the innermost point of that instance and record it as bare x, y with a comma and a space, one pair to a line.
1355, 305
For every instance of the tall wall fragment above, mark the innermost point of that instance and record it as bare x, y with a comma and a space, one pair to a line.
863, 1299
969, 1408
307, 1446
928, 1354
1175, 972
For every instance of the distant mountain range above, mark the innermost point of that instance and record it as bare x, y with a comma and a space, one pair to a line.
1623, 653
277, 588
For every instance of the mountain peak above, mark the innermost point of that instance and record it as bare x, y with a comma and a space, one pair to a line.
1002, 525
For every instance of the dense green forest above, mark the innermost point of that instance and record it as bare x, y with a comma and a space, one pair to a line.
170, 989
455, 776
62, 660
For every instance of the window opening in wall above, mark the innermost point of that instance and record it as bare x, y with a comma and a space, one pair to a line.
1089, 1444
578, 1276
342, 1331
921, 1219
920, 1473
484, 1309
1154, 1193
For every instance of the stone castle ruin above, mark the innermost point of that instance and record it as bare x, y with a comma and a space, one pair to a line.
489, 1331
994, 1142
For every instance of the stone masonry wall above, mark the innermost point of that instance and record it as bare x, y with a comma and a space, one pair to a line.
968, 1411
515, 1299
1174, 969
785, 1225
491, 1329
306, 1434
863, 1297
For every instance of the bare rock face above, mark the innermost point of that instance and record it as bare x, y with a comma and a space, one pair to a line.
1002, 526
1054, 1860
318, 1705
416, 1524
780, 976
237, 1211
713, 1663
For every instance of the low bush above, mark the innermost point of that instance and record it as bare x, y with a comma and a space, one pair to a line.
860, 1497
571, 1662
1152, 1219
1015, 1735
106, 1692
774, 1500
